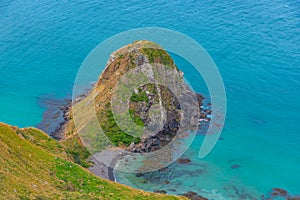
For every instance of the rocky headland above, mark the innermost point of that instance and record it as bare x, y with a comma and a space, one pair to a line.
152, 105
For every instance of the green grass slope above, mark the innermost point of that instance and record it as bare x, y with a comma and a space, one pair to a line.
33, 166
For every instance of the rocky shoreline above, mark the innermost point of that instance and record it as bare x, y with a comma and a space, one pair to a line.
104, 169
55, 116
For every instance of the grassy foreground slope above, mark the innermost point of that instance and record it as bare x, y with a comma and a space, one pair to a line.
34, 166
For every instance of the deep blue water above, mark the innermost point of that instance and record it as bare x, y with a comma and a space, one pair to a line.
255, 44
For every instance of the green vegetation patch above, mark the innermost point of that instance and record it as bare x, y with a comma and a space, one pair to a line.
71, 177
112, 130
77, 151
141, 96
158, 55
136, 119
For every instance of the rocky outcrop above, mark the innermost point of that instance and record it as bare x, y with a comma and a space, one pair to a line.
153, 105
161, 107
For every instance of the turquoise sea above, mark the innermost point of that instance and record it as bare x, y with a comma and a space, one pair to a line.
255, 44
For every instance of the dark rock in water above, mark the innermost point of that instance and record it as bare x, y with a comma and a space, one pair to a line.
193, 196
191, 173
293, 198
257, 119
200, 98
184, 160
203, 115
190, 193
208, 111
166, 182
165, 169
279, 192
198, 172
235, 166
144, 181
160, 191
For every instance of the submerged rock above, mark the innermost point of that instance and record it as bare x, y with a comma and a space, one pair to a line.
293, 198
236, 166
279, 192
160, 191
193, 196
184, 160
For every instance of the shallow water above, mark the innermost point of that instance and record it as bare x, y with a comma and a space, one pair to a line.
254, 43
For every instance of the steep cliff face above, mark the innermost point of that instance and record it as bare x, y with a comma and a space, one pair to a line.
168, 119
154, 108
